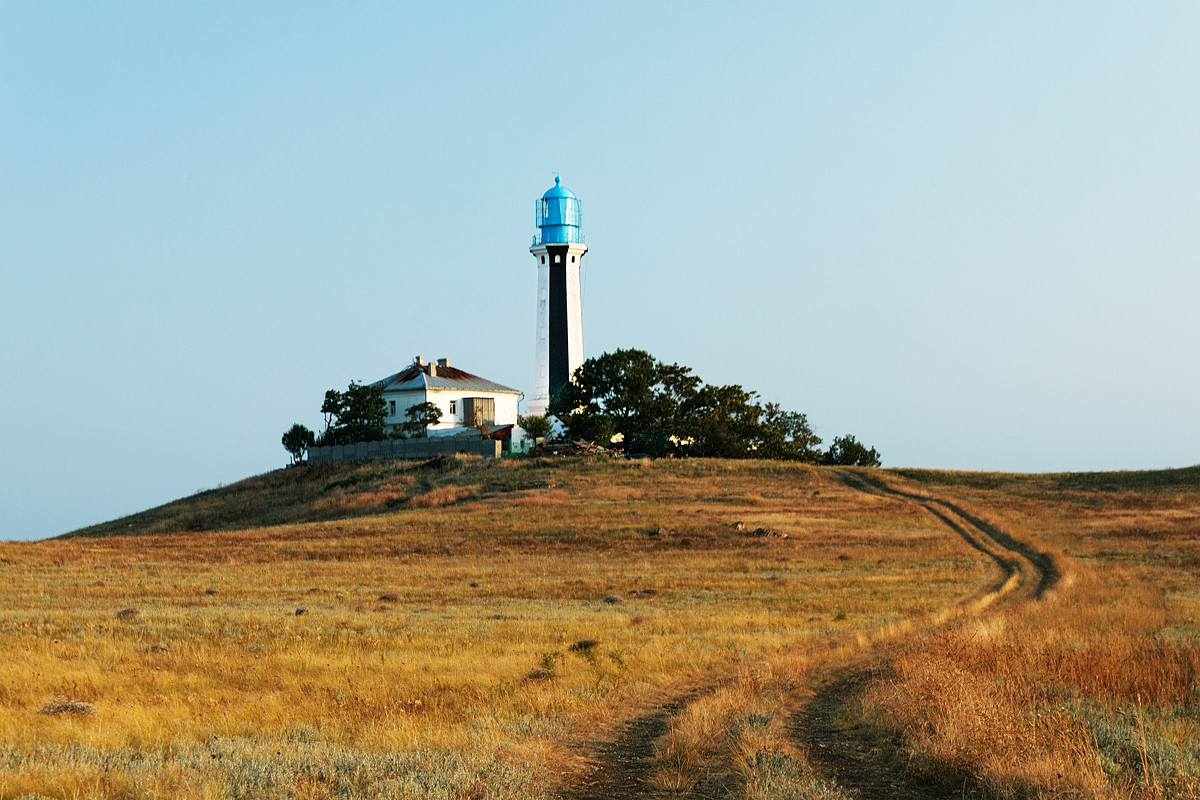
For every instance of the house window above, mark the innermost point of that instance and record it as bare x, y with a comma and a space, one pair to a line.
391, 408
453, 407
479, 411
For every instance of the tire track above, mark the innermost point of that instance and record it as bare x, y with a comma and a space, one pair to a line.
848, 754
621, 767
1036, 569
851, 755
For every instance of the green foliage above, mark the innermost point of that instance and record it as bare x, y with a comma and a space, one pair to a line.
535, 426
720, 421
598, 428
665, 410
846, 451
658, 442
420, 417
787, 434
630, 387
332, 409
296, 440
355, 415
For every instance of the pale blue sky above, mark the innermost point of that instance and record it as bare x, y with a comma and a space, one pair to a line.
967, 233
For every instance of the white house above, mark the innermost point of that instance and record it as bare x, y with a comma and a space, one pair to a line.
466, 400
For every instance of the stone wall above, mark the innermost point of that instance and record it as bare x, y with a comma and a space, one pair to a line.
406, 448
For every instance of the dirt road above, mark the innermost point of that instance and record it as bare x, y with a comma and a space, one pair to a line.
843, 753
849, 755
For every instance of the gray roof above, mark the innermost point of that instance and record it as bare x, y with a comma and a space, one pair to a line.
416, 376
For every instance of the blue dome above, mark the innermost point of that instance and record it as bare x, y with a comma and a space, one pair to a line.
558, 190
557, 215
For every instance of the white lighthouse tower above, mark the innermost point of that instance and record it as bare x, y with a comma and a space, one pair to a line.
558, 248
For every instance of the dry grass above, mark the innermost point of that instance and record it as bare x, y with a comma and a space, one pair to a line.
1093, 693
442, 496
456, 642
61, 705
734, 742
467, 663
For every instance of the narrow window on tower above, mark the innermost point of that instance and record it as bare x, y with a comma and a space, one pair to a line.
543, 259
572, 259
557, 259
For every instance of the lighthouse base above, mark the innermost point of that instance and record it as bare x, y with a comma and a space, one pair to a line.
536, 406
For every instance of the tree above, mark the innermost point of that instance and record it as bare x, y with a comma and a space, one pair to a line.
355, 415
331, 408
535, 426
420, 417
363, 413
787, 434
719, 421
296, 441
666, 410
628, 387
846, 451
598, 428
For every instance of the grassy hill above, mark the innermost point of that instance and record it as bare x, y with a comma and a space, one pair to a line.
333, 491
566, 628
346, 490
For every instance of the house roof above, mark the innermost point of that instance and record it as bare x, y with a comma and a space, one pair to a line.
416, 376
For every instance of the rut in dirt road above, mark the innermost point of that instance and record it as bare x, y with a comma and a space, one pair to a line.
844, 754
849, 755
622, 766
1037, 570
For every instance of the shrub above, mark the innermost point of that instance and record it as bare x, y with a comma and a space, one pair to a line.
61, 705
846, 451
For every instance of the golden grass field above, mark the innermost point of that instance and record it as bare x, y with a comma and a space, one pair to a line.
474, 629
1094, 692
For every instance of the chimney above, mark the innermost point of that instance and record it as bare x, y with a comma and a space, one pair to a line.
443, 362
433, 370
419, 361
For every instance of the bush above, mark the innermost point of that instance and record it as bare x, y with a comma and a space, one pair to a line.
846, 451
296, 441
665, 410
535, 426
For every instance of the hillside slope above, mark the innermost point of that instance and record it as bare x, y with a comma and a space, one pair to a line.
345, 490
571, 629
325, 492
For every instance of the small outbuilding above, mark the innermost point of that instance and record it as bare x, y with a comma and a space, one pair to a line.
466, 401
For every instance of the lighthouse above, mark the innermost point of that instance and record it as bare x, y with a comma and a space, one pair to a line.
558, 248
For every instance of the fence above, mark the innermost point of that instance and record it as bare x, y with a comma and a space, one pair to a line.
406, 448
